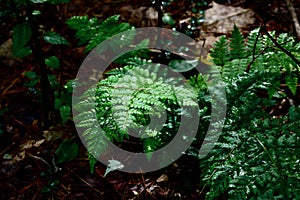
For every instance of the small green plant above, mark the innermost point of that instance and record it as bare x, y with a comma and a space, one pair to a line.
128, 99
27, 40
257, 155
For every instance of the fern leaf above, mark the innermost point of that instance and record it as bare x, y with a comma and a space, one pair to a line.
220, 51
291, 81
92, 32
237, 44
92, 162
254, 43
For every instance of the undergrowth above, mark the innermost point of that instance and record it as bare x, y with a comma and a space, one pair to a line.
257, 155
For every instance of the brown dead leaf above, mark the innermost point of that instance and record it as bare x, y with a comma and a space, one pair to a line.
163, 178
31, 143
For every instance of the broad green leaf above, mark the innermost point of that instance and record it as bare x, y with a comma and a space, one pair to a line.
66, 151
112, 166
31, 75
54, 38
167, 19
21, 35
65, 112
22, 52
52, 62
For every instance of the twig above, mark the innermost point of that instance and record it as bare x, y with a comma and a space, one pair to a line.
87, 183
7, 148
283, 49
291, 9
253, 51
39, 158
7, 88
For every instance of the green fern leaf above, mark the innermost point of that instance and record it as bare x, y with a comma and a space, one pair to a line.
220, 51
237, 44
92, 32
291, 81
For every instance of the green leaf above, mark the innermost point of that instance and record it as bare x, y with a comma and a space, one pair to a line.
34, 79
52, 184
69, 86
31, 74
31, 83
65, 112
292, 81
52, 62
66, 151
38, 1
22, 52
183, 65
220, 51
237, 44
57, 103
53, 81
112, 166
167, 19
54, 38
36, 12
20, 37
92, 31
92, 162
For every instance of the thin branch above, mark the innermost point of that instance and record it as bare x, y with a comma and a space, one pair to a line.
283, 49
253, 51
291, 9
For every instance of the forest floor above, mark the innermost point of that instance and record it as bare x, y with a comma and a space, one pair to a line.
27, 145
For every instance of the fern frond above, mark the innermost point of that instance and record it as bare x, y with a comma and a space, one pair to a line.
220, 51
254, 43
237, 44
92, 32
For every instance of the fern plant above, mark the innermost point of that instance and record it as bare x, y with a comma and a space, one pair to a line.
91, 32
129, 99
28, 39
257, 156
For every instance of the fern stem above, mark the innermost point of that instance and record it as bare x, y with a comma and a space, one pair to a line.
266, 150
253, 51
